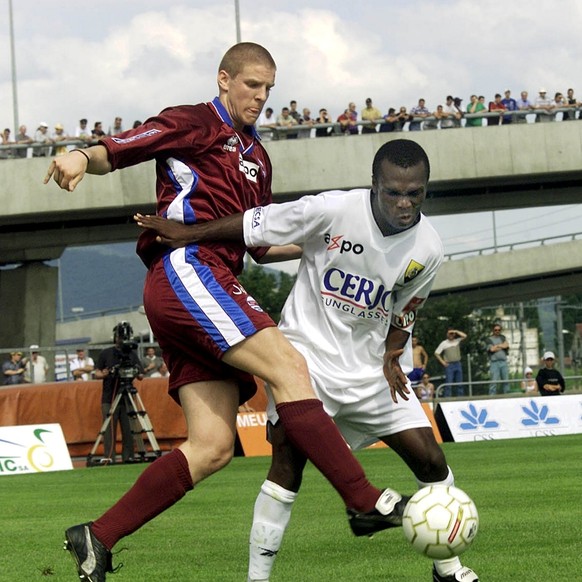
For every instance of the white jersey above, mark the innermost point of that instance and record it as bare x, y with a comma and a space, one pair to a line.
351, 284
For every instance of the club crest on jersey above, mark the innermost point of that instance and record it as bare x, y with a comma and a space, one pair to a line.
231, 143
344, 246
413, 269
249, 169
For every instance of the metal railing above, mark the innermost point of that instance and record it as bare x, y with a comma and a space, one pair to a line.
490, 250
310, 130
480, 388
39, 149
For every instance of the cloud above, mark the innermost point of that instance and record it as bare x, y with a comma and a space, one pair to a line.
135, 58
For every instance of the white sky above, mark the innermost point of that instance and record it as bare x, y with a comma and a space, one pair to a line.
132, 58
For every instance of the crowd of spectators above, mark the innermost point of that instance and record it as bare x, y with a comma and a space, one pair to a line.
291, 123
448, 115
46, 142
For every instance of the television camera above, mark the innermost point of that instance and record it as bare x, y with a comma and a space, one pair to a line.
125, 370
124, 373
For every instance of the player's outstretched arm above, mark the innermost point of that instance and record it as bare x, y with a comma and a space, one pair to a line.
395, 342
175, 234
68, 170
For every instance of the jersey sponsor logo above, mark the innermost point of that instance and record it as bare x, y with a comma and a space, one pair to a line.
142, 135
231, 144
345, 246
253, 304
359, 291
249, 169
405, 320
257, 217
414, 268
408, 316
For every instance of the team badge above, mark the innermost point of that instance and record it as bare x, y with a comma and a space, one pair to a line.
413, 269
231, 143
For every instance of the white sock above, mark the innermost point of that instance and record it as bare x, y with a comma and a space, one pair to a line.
450, 566
270, 519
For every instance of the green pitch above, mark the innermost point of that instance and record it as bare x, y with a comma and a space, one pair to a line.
527, 491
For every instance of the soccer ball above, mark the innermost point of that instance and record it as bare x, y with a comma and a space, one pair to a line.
440, 522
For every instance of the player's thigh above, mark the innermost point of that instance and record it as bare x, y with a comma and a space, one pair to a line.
269, 355
199, 310
210, 410
197, 313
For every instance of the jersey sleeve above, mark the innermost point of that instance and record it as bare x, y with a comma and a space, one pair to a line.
172, 128
285, 223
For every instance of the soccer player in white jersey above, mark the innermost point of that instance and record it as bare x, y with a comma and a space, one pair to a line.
369, 261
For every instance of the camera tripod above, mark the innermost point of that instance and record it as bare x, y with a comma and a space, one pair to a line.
139, 422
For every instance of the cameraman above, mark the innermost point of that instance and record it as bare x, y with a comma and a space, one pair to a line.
122, 356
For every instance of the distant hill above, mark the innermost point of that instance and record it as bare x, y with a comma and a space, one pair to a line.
101, 278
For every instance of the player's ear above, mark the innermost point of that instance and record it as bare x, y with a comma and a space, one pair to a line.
223, 80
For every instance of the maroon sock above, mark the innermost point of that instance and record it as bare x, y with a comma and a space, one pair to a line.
314, 433
163, 483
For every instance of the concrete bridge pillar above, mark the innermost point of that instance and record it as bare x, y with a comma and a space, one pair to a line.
28, 299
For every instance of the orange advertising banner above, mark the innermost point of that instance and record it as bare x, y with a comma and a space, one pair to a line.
251, 429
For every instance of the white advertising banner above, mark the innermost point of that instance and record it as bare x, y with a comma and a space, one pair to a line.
34, 448
510, 418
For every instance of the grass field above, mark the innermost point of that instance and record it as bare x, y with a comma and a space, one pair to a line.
528, 492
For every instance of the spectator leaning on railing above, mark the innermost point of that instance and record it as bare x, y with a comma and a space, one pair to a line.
370, 115
473, 108
6, 153
572, 103
419, 111
22, 139
543, 106
322, 119
524, 105
42, 137
498, 107
510, 105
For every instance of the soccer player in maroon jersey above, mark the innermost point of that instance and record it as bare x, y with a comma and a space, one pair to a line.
214, 336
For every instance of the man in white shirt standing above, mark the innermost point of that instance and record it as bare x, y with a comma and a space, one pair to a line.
36, 367
369, 261
81, 366
448, 353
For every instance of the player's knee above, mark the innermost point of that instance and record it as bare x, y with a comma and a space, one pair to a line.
208, 459
289, 365
431, 466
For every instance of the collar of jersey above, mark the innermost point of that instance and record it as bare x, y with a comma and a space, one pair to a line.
223, 114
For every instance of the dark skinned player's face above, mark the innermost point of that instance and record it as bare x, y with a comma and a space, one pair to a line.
397, 196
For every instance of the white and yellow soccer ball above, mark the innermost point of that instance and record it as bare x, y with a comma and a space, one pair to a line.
440, 521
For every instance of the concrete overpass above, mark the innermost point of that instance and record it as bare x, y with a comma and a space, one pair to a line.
513, 275
473, 169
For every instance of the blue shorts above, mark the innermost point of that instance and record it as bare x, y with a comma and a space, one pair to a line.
416, 375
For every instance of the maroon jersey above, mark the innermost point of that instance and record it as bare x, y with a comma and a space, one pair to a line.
205, 170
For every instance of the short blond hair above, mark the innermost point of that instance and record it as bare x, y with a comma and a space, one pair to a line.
243, 53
